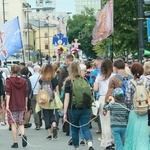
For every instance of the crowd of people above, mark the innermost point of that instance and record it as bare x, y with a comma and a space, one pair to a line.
113, 84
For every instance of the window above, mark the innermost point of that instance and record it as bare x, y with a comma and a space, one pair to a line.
46, 35
46, 46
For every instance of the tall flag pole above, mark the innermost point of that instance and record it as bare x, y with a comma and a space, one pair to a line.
10, 38
104, 23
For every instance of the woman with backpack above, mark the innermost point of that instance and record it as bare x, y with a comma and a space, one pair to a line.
49, 83
78, 116
136, 136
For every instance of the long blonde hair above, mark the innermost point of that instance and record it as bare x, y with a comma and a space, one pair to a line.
74, 71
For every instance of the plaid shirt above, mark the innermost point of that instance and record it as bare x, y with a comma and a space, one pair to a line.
130, 90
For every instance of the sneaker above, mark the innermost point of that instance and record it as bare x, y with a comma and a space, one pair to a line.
15, 145
70, 142
55, 133
82, 143
3, 123
9, 128
49, 137
37, 127
28, 125
24, 141
111, 147
91, 148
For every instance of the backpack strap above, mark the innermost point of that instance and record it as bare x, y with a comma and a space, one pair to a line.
135, 83
121, 77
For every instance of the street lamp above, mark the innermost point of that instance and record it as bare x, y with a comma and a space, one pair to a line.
140, 30
40, 43
47, 25
28, 26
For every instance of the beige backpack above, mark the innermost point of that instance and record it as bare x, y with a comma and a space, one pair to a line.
140, 100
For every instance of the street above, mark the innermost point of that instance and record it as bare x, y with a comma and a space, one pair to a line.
37, 139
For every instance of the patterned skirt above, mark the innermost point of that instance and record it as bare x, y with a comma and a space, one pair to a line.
16, 117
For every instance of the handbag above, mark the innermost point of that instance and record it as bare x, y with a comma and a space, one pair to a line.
95, 107
56, 103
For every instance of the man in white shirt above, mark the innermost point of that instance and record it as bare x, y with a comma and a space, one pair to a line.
29, 65
35, 82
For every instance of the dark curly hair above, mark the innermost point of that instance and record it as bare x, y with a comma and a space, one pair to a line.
106, 68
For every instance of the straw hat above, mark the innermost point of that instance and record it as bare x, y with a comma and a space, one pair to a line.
43, 98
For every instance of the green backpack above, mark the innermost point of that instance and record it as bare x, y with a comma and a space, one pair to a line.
82, 96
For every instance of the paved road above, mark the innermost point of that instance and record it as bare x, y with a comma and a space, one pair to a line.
37, 139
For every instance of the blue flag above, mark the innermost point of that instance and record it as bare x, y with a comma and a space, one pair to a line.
10, 38
148, 29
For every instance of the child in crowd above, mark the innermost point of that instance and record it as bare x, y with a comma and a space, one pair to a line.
118, 116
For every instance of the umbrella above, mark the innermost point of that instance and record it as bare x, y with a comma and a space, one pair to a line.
146, 53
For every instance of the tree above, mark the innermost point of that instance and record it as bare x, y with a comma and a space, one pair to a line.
80, 27
125, 37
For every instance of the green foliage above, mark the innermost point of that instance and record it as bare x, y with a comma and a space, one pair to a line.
80, 27
124, 38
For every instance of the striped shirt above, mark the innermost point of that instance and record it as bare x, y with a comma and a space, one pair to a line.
118, 114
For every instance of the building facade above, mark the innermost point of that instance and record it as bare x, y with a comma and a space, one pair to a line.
81, 4
45, 5
8, 12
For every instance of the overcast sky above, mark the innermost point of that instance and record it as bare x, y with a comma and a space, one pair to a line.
61, 5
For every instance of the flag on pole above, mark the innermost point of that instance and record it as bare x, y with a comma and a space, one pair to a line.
10, 38
104, 23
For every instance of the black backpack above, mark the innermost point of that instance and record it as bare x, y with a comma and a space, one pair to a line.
2, 84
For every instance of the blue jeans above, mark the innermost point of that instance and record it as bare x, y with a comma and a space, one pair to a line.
118, 134
80, 132
79, 117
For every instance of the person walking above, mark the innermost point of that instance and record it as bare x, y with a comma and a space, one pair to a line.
2, 95
77, 116
118, 116
34, 79
62, 76
49, 82
136, 136
24, 72
16, 104
101, 85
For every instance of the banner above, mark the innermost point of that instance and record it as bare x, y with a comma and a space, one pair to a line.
104, 23
148, 29
10, 38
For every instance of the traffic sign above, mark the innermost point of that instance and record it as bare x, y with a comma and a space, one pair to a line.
59, 39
